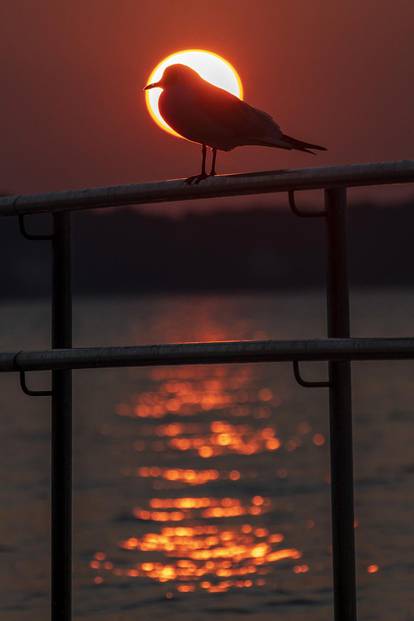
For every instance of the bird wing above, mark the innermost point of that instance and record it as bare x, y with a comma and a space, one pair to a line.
239, 123
212, 116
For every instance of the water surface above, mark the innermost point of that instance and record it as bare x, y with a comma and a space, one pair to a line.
204, 490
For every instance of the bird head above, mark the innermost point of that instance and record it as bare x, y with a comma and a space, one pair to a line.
176, 75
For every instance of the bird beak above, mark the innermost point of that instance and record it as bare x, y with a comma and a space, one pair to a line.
153, 85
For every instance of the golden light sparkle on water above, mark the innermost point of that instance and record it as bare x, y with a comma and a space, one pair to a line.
201, 522
205, 557
212, 67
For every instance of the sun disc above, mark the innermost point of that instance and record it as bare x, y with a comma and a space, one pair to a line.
210, 66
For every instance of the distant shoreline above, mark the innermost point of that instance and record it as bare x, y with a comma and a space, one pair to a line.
247, 251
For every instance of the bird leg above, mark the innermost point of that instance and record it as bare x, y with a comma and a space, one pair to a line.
203, 174
213, 163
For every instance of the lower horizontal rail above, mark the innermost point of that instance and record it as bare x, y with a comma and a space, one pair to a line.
210, 353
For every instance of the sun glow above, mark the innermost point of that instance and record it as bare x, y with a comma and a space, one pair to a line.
212, 67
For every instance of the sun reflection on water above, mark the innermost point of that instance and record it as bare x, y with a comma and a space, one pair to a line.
217, 419
188, 391
188, 476
207, 557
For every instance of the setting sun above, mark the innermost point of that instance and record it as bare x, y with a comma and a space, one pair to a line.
210, 66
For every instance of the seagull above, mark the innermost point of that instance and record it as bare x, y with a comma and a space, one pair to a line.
212, 117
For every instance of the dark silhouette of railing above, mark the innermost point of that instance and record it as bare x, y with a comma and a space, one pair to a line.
339, 349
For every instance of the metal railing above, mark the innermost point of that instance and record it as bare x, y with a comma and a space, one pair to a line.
356, 175
339, 349
215, 352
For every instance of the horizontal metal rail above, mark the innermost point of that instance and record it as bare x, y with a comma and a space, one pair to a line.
225, 185
221, 352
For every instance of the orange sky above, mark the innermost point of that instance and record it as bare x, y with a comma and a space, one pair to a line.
73, 115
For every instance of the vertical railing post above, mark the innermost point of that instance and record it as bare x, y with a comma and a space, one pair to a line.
61, 424
342, 493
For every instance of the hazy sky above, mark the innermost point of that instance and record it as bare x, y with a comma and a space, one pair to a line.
339, 73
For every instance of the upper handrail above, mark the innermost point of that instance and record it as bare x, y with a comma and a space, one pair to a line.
218, 352
220, 186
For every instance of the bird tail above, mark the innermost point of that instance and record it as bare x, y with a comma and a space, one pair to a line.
299, 145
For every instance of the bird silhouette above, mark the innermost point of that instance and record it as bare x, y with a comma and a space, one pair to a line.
213, 117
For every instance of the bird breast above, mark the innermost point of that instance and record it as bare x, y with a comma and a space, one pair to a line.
184, 112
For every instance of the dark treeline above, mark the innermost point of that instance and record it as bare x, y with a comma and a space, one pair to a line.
127, 252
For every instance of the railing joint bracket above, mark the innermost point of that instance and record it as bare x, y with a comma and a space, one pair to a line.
305, 383
303, 214
28, 391
31, 236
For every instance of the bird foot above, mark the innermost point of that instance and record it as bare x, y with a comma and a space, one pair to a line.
196, 178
